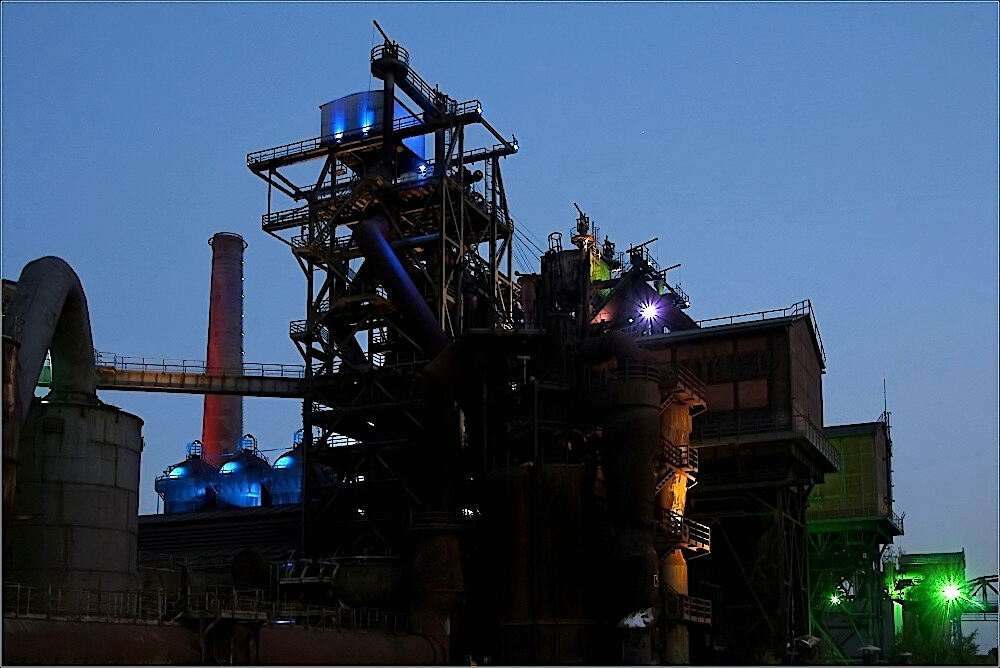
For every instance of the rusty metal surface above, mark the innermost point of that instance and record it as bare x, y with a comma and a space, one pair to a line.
51, 642
223, 421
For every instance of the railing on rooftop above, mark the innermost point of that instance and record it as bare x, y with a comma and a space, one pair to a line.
309, 145
803, 307
391, 51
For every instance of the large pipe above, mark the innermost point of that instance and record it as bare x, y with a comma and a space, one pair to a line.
50, 642
50, 306
372, 237
223, 420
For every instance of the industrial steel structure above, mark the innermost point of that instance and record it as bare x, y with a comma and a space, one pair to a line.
540, 468
850, 525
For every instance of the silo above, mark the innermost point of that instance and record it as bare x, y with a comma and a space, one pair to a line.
76, 517
223, 421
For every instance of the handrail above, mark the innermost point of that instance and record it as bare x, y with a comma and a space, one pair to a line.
680, 456
670, 523
20, 600
255, 369
391, 51
799, 425
803, 307
309, 145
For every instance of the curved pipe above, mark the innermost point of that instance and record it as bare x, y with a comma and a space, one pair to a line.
52, 310
371, 236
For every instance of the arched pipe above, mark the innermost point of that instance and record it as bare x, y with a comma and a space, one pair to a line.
48, 311
51, 310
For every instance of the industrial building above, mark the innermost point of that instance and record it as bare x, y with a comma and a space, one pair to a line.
553, 467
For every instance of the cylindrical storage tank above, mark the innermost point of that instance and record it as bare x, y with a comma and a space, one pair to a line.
360, 114
188, 486
285, 480
76, 517
223, 421
631, 440
242, 482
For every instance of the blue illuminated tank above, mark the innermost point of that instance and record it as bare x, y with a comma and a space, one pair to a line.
188, 486
359, 116
286, 478
243, 478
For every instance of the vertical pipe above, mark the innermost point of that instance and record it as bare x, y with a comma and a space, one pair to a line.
223, 421
388, 111
493, 240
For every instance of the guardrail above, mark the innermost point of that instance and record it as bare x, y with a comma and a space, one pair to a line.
256, 369
316, 143
391, 51
798, 425
20, 600
803, 307
689, 609
687, 531
680, 456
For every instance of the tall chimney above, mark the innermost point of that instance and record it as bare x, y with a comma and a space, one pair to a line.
223, 422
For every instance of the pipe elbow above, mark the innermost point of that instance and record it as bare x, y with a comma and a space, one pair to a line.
51, 309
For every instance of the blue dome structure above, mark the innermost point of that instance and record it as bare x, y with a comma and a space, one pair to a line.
188, 486
286, 478
243, 478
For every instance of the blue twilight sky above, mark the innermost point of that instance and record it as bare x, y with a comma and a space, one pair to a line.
845, 153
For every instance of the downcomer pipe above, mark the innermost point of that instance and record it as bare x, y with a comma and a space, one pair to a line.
372, 237
223, 420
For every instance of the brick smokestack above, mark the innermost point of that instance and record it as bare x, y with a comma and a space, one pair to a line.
223, 422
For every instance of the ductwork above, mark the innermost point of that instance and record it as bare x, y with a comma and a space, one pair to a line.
50, 306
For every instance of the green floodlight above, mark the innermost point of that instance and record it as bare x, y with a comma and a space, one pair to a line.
950, 592
835, 599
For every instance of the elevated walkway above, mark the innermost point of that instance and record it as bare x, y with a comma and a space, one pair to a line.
145, 374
